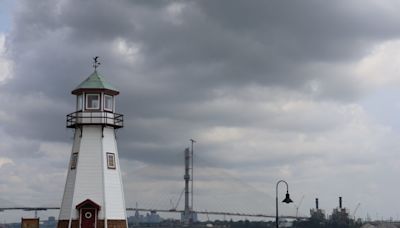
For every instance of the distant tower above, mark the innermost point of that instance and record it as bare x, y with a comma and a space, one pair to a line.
93, 194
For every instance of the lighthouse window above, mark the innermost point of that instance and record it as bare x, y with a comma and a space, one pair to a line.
92, 101
108, 102
79, 103
74, 160
111, 160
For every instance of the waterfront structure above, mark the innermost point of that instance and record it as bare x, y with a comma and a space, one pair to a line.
340, 216
317, 214
93, 195
29, 222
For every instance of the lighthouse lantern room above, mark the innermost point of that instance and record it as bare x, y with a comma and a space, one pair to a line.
93, 194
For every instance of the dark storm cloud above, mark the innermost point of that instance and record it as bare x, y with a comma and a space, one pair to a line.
211, 46
184, 54
308, 30
261, 42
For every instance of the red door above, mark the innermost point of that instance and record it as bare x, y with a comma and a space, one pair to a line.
88, 216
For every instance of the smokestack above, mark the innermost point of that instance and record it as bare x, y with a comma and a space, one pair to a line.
340, 202
316, 203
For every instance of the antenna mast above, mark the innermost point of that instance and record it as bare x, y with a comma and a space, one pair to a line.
188, 212
192, 142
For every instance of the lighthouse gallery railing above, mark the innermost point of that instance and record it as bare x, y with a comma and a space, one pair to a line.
95, 118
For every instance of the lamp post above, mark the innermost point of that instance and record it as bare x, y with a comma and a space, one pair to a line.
286, 200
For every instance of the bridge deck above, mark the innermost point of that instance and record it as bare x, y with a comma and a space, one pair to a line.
165, 211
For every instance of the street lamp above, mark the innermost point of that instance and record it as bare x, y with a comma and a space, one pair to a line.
286, 200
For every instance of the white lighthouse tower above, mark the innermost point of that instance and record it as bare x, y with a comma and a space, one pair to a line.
93, 194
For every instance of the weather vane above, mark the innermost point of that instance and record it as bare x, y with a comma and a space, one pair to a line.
96, 63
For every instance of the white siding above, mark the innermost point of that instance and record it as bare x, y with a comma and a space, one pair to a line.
66, 203
114, 196
89, 180
92, 179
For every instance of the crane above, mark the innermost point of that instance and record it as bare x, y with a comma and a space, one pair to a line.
355, 210
298, 206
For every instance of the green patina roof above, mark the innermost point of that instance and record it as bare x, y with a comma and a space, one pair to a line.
95, 81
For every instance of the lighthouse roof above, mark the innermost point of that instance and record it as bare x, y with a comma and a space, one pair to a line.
95, 82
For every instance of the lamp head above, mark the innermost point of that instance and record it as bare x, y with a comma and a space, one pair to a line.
287, 199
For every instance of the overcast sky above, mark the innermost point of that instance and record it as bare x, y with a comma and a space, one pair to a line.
305, 91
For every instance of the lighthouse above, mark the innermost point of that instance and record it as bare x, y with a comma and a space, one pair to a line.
93, 194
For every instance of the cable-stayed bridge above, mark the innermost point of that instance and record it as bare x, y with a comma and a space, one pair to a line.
36, 209
217, 191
